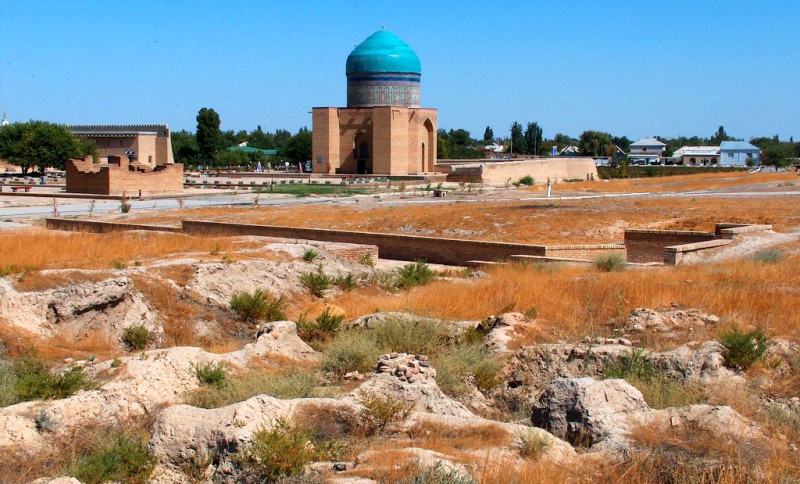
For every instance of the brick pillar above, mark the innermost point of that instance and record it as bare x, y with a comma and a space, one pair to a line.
325, 140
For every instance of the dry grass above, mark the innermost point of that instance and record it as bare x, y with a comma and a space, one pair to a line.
43, 280
180, 274
537, 222
54, 349
42, 249
449, 439
574, 302
179, 314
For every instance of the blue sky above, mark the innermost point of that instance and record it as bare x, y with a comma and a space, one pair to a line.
636, 68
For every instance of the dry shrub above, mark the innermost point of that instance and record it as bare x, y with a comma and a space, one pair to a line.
93, 451
96, 343
448, 439
691, 454
56, 250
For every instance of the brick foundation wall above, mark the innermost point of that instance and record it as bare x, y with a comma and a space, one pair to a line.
584, 252
649, 245
83, 176
97, 227
390, 246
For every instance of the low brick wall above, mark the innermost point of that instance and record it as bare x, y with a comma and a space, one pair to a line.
675, 254
584, 252
73, 225
390, 246
649, 245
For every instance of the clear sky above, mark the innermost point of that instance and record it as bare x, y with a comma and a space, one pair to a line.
636, 68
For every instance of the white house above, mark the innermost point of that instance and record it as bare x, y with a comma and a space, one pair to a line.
697, 155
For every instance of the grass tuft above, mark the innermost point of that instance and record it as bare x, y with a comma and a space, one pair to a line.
610, 263
744, 347
316, 282
415, 274
137, 337
211, 374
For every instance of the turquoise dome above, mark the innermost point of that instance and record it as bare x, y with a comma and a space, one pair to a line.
383, 51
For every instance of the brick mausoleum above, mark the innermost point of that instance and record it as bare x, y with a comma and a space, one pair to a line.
132, 159
383, 130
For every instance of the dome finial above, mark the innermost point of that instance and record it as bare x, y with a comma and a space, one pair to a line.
383, 26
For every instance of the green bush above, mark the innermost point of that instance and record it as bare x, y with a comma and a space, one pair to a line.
310, 255
415, 274
28, 378
350, 351
137, 337
279, 451
346, 282
610, 262
744, 347
322, 329
526, 180
120, 457
261, 305
419, 337
212, 374
633, 365
316, 282
464, 364
768, 256
293, 384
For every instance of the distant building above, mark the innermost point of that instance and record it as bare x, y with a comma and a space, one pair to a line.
132, 160
648, 146
243, 148
697, 155
738, 153
571, 150
142, 144
646, 151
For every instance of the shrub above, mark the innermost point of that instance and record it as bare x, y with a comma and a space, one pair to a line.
293, 384
137, 337
346, 282
212, 374
438, 474
310, 255
325, 326
28, 378
526, 180
633, 365
316, 282
663, 391
350, 351
532, 444
367, 260
380, 411
419, 337
279, 451
464, 364
531, 313
119, 264
44, 422
259, 305
415, 274
744, 347
768, 256
120, 456
610, 262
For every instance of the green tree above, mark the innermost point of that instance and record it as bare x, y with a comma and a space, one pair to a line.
488, 135
209, 136
533, 138
224, 159
623, 142
594, 143
720, 136
460, 137
40, 144
184, 147
518, 144
561, 140
298, 148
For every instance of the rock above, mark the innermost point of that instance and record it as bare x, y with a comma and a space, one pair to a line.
529, 370
183, 433
602, 414
411, 379
56, 480
143, 384
669, 320
585, 411
501, 330
111, 306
